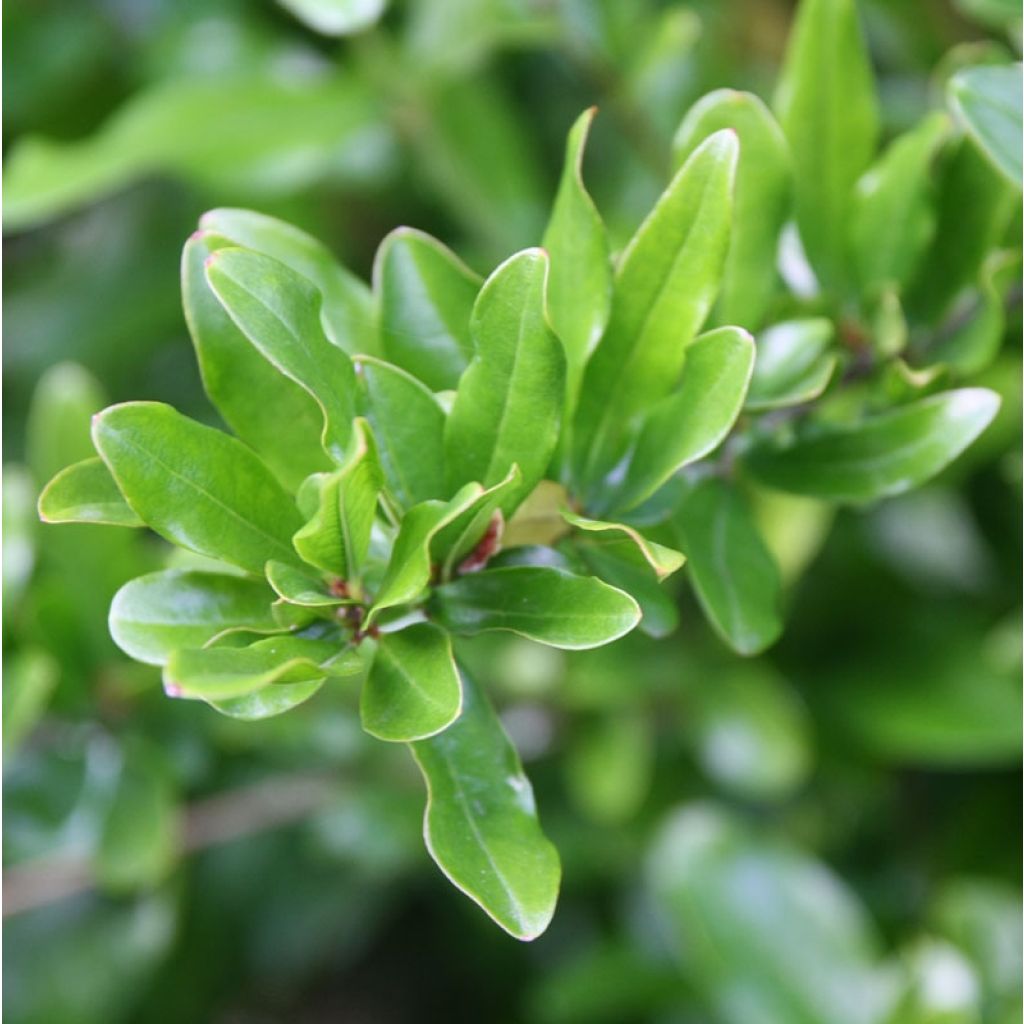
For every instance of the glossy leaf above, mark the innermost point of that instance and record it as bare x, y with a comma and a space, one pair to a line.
694, 419
408, 426
665, 283
279, 312
337, 17
300, 586
196, 486
269, 701
85, 492
266, 409
481, 825
413, 689
425, 297
794, 364
892, 218
347, 309
762, 199
580, 281
989, 101
337, 536
509, 402
880, 456
153, 615
733, 573
663, 560
548, 605
826, 105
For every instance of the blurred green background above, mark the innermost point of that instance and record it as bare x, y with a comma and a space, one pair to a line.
828, 833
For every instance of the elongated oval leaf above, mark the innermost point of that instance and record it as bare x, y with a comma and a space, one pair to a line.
269, 701
733, 573
278, 310
347, 303
881, 456
509, 402
548, 605
827, 108
301, 587
85, 492
665, 283
762, 200
413, 689
663, 560
481, 825
580, 283
693, 421
266, 409
196, 486
793, 364
408, 425
425, 297
153, 615
990, 103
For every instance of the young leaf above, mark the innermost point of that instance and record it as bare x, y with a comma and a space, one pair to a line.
278, 310
665, 284
196, 486
580, 281
892, 217
425, 297
269, 701
735, 577
408, 425
547, 605
880, 456
762, 200
693, 420
664, 561
153, 615
413, 689
827, 108
347, 310
85, 492
266, 409
988, 100
481, 823
337, 537
793, 364
509, 402
223, 673
301, 587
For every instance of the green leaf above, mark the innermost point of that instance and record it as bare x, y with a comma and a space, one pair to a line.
409, 568
827, 108
153, 615
988, 99
196, 486
762, 199
222, 673
892, 217
881, 455
665, 284
269, 701
481, 822
794, 364
85, 492
266, 409
301, 587
140, 833
29, 681
408, 425
279, 312
548, 605
425, 297
347, 310
735, 577
746, 933
580, 280
509, 402
337, 536
693, 420
413, 689
664, 561
336, 17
